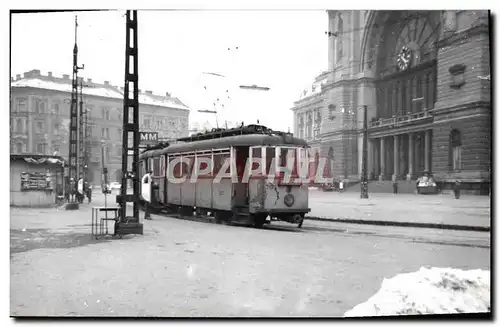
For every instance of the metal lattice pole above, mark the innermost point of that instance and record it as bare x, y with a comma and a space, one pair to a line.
73, 127
130, 224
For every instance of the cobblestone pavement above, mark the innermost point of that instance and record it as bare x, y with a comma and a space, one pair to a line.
439, 209
187, 268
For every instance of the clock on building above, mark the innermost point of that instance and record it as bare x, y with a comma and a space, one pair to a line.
404, 58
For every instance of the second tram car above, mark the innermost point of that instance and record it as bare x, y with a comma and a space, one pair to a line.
222, 190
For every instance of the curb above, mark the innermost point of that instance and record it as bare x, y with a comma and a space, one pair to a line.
402, 224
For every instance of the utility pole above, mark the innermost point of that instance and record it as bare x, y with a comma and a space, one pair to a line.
73, 127
364, 176
81, 136
130, 224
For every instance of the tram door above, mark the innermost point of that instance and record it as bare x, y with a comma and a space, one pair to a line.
240, 189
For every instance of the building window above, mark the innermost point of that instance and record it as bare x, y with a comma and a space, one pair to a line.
105, 133
39, 106
21, 105
105, 113
309, 125
19, 126
340, 35
89, 111
159, 124
317, 123
331, 111
301, 126
147, 122
57, 109
456, 150
40, 127
19, 148
56, 128
40, 148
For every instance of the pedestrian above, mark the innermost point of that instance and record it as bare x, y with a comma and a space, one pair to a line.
395, 186
89, 193
456, 189
146, 182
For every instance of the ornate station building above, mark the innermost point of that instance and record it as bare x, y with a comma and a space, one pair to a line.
424, 77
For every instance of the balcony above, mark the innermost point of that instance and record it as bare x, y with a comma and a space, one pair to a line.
400, 120
19, 135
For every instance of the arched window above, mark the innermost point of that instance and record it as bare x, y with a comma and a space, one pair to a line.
301, 125
309, 125
340, 35
406, 63
455, 150
42, 107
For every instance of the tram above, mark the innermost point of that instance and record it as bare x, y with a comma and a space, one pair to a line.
249, 174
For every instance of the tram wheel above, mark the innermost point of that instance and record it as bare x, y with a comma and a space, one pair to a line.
259, 220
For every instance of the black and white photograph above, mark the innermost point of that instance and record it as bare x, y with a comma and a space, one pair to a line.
197, 162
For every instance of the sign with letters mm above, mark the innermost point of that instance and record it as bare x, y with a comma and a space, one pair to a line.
148, 138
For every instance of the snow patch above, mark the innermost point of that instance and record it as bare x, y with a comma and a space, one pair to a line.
429, 291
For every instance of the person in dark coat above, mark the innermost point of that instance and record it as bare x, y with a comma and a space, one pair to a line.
89, 192
456, 189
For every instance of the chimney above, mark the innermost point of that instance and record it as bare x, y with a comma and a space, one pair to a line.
89, 80
65, 76
167, 94
18, 76
149, 92
35, 72
106, 82
50, 74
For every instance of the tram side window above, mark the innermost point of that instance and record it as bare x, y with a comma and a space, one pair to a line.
187, 165
175, 168
256, 154
162, 166
156, 167
219, 159
289, 155
202, 164
270, 158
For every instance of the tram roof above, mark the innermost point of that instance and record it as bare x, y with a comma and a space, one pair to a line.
226, 142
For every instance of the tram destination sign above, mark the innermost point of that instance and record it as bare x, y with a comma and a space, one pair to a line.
148, 138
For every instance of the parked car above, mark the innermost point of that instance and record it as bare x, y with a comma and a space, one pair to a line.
114, 186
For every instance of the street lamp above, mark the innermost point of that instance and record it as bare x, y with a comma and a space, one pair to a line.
364, 176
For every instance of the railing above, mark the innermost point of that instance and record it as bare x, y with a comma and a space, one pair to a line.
400, 120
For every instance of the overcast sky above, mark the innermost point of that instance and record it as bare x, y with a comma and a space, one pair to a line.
283, 50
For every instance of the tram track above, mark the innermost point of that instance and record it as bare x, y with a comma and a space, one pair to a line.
473, 239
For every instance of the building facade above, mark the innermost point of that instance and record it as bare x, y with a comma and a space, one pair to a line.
424, 77
39, 119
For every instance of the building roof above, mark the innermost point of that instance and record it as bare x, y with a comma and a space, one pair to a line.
315, 87
34, 79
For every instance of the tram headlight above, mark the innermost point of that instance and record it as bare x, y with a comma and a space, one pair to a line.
289, 200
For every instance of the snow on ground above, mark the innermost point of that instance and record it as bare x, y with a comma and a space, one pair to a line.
429, 291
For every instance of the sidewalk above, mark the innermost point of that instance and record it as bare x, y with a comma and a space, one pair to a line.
427, 211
